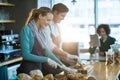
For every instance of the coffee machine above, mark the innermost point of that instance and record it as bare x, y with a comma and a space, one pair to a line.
9, 46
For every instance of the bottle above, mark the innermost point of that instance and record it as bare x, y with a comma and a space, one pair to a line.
3, 47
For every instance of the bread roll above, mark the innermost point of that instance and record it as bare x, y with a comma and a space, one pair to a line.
70, 76
36, 72
79, 76
37, 77
82, 71
78, 66
60, 77
23, 76
91, 78
48, 77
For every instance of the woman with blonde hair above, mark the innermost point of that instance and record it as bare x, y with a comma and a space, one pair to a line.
34, 46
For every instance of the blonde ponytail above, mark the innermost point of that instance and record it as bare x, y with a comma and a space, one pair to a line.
34, 13
30, 17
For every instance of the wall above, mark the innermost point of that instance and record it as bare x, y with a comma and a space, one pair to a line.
20, 12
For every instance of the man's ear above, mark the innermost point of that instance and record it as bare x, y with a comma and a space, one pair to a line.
55, 12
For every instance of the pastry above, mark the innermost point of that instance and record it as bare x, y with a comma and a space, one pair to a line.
48, 77
36, 72
37, 77
78, 66
23, 76
70, 76
82, 71
60, 77
91, 78
79, 76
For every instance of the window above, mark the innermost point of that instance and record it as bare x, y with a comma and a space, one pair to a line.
80, 20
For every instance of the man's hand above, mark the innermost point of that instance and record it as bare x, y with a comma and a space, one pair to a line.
72, 59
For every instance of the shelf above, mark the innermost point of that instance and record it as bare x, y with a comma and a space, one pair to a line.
6, 4
9, 51
7, 21
11, 61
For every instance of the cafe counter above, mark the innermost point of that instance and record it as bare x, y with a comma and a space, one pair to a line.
11, 61
8, 68
101, 71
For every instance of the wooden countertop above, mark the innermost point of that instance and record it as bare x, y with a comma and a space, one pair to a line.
86, 50
11, 61
94, 57
101, 71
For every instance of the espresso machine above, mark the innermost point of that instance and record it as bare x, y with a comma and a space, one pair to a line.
9, 46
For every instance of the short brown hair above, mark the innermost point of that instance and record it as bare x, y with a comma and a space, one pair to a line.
105, 27
60, 7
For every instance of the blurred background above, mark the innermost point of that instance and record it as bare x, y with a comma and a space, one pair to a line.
84, 16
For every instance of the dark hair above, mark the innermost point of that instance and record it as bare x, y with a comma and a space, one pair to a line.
60, 7
105, 27
34, 13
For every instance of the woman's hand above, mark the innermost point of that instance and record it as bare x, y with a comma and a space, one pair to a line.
69, 70
52, 63
102, 54
92, 43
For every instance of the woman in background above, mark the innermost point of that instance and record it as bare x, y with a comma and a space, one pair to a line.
105, 41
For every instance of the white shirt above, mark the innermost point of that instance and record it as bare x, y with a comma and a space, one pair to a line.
55, 31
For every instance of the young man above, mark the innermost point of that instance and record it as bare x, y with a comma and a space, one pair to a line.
59, 11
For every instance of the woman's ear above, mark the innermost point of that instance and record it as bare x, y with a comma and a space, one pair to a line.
40, 16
